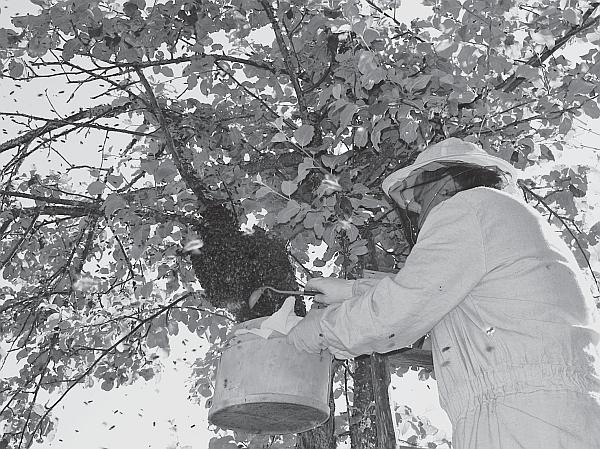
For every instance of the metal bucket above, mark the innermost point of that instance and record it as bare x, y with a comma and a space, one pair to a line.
267, 386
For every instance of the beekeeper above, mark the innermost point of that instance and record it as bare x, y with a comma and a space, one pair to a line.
514, 346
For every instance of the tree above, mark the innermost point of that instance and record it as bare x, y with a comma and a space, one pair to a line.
288, 112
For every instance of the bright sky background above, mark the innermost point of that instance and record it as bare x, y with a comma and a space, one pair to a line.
158, 413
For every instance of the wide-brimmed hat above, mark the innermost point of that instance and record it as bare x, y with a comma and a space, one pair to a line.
451, 150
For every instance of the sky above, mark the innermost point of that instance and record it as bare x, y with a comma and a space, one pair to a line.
158, 413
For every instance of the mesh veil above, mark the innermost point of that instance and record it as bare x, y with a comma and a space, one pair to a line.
414, 195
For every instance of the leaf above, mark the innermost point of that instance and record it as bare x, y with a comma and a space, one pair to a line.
528, 72
372, 73
546, 152
418, 83
370, 35
359, 248
467, 58
259, 442
346, 117
565, 125
466, 97
173, 327
376, 132
130, 9
286, 214
366, 62
166, 171
96, 188
192, 81
445, 48
331, 184
15, 68
167, 71
453, 7
263, 191
158, 338
590, 107
304, 169
572, 16
279, 137
361, 136
113, 203
70, 47
408, 130
304, 135
115, 180
288, 187
38, 409
107, 384
225, 442
544, 37
579, 87
577, 192
337, 91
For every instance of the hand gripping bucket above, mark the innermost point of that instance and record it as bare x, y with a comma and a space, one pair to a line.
267, 386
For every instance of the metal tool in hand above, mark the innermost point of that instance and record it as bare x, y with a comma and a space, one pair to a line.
256, 294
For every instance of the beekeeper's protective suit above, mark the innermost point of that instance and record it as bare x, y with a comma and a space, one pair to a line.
514, 346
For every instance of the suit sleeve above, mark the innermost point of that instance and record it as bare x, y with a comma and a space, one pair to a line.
447, 262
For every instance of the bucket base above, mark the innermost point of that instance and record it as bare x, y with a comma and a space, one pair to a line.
267, 386
271, 418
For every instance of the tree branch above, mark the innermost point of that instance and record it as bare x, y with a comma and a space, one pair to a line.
107, 351
72, 212
287, 121
185, 169
216, 58
552, 212
78, 125
287, 58
396, 21
514, 81
462, 131
18, 244
94, 113
48, 199
88, 245
35, 395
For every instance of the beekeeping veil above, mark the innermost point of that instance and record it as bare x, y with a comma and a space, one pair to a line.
440, 171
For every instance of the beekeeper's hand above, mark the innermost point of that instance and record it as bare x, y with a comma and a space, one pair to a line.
333, 290
307, 335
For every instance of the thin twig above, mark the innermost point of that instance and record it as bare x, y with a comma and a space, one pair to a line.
18, 244
66, 122
564, 223
287, 121
287, 59
35, 395
52, 124
513, 81
184, 168
108, 350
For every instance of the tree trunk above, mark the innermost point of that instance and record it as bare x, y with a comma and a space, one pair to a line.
386, 437
373, 426
363, 432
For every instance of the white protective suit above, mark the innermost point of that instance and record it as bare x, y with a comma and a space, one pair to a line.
514, 346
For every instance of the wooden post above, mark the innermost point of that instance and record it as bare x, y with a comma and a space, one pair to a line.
386, 436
